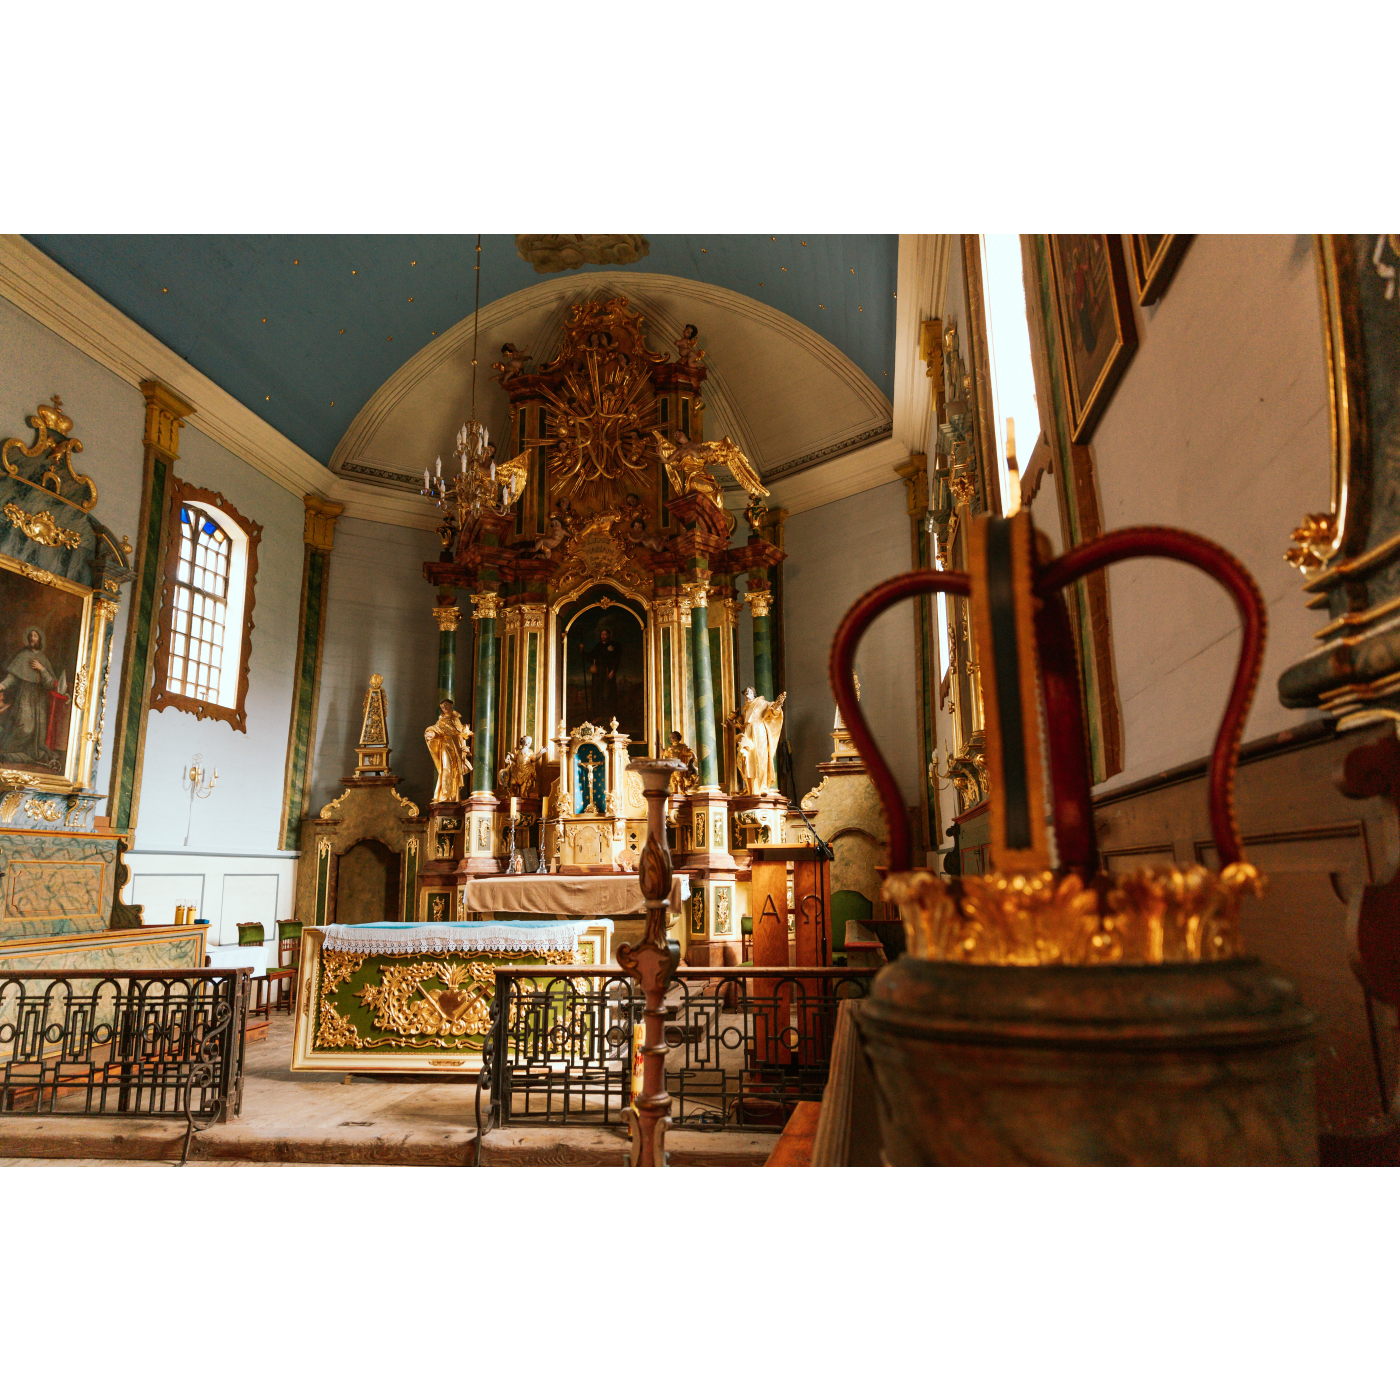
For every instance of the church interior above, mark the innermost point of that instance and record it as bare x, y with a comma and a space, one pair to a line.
730, 699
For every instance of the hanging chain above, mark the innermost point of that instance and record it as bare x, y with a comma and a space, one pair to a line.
476, 316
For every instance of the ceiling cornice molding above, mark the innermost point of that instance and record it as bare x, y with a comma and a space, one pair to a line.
73, 311
922, 287
643, 289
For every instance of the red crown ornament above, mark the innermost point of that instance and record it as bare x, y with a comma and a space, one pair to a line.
1046, 901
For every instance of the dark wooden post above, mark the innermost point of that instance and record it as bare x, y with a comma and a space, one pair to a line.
652, 963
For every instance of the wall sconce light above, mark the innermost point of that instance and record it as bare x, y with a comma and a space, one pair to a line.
199, 782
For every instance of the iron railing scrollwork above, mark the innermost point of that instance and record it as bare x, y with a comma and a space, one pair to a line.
138, 1043
745, 1045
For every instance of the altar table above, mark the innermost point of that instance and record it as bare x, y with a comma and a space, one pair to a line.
606, 896
401, 998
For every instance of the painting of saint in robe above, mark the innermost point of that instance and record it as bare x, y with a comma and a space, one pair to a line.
606, 671
41, 627
29, 694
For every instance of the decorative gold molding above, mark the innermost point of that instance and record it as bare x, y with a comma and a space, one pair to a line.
165, 411
59, 452
484, 605
42, 811
38, 575
448, 618
321, 516
42, 527
759, 601
1039, 918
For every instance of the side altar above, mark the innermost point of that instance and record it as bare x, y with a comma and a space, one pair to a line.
597, 567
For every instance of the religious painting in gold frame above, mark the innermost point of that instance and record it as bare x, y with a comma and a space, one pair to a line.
1156, 257
1097, 333
46, 641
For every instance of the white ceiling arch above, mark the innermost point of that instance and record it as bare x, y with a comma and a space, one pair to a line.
785, 394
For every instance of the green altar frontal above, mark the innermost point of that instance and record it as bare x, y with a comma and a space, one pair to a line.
416, 998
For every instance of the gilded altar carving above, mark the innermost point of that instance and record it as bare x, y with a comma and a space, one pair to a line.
38, 575
430, 1002
484, 605
566, 252
47, 454
42, 810
42, 527
448, 618
410, 809
723, 896
689, 466
759, 601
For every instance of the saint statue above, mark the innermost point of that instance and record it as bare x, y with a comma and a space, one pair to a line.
449, 742
678, 748
518, 774
24, 704
758, 742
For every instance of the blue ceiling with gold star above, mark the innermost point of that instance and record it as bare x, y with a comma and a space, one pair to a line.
303, 329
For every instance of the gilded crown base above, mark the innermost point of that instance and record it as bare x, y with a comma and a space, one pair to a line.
1159, 915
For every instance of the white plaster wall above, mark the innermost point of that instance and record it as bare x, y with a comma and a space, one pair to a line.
835, 553
108, 419
380, 618
224, 888
1219, 426
243, 811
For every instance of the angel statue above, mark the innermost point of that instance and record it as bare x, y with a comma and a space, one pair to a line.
547, 544
514, 362
518, 774
689, 355
758, 742
678, 748
449, 742
688, 466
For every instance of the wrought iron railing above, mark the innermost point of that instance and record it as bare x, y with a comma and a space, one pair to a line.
745, 1045
148, 1044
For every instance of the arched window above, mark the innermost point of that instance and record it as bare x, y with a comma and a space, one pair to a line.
206, 608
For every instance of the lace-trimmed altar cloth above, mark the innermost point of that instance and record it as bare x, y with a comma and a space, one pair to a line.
514, 936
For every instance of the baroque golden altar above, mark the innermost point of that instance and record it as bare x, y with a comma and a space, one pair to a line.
605, 614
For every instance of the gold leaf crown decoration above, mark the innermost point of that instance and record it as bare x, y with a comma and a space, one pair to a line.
47, 454
1046, 901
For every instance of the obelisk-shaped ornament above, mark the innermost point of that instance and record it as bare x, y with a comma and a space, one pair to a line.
1048, 1011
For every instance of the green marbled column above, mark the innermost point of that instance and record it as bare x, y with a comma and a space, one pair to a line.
763, 656
447, 653
483, 744
705, 742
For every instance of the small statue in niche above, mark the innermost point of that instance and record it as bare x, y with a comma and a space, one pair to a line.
689, 353
514, 362
518, 776
449, 742
682, 782
758, 742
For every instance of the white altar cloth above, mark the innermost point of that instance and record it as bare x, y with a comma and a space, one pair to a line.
515, 936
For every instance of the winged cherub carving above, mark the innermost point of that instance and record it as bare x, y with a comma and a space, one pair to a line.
688, 466
514, 361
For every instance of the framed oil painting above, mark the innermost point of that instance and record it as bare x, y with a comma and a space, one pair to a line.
44, 624
1155, 260
605, 669
1097, 334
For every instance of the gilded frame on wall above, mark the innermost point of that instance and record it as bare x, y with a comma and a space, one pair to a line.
50, 722
1097, 333
1156, 257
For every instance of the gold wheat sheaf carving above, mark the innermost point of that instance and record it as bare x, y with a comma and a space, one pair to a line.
417, 1016
1154, 915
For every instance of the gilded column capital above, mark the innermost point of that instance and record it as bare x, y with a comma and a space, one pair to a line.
321, 516
733, 610
663, 614
484, 605
683, 609
915, 474
165, 410
448, 617
759, 601
532, 615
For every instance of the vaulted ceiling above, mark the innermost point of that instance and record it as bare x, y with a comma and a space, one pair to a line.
357, 348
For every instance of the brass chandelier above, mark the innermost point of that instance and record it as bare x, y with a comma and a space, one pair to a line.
480, 484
